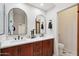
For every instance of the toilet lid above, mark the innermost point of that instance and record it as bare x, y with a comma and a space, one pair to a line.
61, 45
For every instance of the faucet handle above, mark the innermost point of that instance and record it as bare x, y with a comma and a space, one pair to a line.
21, 37
15, 38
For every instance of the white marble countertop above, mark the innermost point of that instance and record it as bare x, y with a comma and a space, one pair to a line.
10, 43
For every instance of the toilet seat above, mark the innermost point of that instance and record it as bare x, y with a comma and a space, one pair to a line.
61, 45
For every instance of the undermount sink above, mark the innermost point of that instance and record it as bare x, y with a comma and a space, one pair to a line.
11, 42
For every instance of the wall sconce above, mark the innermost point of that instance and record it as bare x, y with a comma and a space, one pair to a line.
42, 26
50, 24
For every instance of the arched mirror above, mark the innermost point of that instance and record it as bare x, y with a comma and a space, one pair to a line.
40, 24
17, 22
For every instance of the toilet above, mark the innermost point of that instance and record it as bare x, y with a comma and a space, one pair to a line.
61, 49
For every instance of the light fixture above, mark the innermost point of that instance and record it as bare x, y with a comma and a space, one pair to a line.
42, 4
50, 24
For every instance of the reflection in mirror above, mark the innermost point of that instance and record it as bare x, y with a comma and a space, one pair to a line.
37, 27
40, 24
17, 21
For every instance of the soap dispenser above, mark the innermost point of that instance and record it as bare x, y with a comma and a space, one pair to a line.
32, 33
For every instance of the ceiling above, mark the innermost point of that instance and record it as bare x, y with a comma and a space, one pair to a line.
44, 7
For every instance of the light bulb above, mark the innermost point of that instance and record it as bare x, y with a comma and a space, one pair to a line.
41, 4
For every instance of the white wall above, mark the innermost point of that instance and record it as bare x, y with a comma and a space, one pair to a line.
30, 11
52, 14
1, 18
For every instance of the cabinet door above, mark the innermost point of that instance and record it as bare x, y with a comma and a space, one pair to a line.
48, 47
25, 50
37, 49
9, 51
0, 52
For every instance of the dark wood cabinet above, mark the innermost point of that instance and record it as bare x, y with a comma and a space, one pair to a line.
37, 49
48, 47
25, 50
78, 30
21, 50
11, 51
40, 48
0, 52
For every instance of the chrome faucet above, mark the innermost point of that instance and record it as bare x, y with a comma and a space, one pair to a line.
18, 37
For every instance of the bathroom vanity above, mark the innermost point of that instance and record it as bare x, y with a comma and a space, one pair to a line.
32, 47
36, 41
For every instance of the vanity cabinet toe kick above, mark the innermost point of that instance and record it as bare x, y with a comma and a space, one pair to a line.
39, 48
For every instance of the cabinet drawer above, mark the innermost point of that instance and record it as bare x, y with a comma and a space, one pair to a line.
37, 49
25, 50
48, 47
9, 51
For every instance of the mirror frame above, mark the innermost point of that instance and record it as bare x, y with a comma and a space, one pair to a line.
37, 27
39, 24
25, 21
